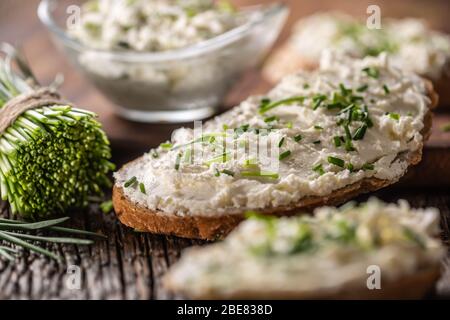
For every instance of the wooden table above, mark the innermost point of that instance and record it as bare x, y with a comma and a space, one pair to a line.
129, 265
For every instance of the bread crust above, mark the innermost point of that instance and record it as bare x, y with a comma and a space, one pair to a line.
213, 227
414, 286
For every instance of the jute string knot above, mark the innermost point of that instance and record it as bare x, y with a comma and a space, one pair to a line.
15, 107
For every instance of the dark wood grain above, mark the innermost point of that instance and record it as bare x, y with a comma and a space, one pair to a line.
129, 265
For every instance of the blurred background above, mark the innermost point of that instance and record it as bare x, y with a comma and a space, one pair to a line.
20, 26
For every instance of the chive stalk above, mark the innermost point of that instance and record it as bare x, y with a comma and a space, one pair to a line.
319, 169
267, 105
336, 161
284, 155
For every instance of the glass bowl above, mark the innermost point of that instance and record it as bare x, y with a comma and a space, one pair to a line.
171, 86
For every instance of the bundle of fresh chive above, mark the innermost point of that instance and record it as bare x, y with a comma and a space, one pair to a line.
23, 236
52, 157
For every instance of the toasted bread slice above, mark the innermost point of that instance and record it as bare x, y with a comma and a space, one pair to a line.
414, 286
287, 60
324, 257
290, 57
212, 227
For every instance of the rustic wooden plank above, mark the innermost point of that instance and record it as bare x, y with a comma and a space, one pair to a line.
130, 264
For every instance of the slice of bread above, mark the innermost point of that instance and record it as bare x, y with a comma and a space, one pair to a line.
288, 58
414, 286
334, 261
211, 226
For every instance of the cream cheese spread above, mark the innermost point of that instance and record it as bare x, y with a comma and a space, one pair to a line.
412, 45
306, 255
152, 25
351, 119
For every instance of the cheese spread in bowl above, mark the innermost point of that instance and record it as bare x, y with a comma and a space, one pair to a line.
314, 257
164, 60
349, 120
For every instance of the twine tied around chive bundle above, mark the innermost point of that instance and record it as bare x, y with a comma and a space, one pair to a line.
15, 107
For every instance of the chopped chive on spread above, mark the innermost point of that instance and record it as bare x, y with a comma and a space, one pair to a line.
386, 89
188, 155
224, 157
347, 109
319, 169
318, 128
335, 105
177, 161
250, 162
142, 188
228, 172
225, 127
217, 173
336, 161
154, 154
350, 167
349, 145
356, 98
130, 182
348, 139
337, 141
264, 107
166, 145
362, 88
317, 142
289, 125
204, 138
368, 166
414, 237
344, 90
262, 174
298, 137
280, 144
372, 72
317, 100
394, 116
446, 127
242, 129
270, 119
306, 86
264, 102
284, 155
360, 132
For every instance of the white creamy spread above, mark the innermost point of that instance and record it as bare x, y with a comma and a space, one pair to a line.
412, 45
351, 119
152, 25
309, 254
